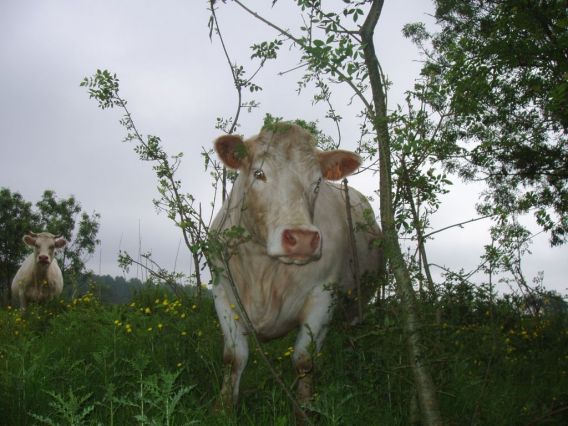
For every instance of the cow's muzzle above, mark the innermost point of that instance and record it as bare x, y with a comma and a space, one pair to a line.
297, 245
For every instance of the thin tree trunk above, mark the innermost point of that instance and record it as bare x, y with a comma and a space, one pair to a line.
419, 232
427, 396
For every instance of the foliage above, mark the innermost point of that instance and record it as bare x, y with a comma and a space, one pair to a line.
157, 360
16, 218
498, 76
65, 217
58, 216
322, 140
180, 207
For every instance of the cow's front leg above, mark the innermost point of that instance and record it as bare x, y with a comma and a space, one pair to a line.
22, 299
236, 351
316, 318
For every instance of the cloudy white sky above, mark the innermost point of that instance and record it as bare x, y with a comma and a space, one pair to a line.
177, 83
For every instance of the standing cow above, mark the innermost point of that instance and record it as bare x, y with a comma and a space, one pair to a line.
299, 248
39, 278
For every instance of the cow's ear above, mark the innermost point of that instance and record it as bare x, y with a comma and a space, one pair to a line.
29, 240
60, 243
337, 164
231, 150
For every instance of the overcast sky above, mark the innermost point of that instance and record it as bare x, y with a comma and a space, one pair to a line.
177, 83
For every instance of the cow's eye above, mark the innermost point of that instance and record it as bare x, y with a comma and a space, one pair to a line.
317, 186
259, 174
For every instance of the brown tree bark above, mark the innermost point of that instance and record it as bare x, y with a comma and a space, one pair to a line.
427, 396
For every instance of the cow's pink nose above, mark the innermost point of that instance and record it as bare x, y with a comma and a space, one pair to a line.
300, 242
43, 258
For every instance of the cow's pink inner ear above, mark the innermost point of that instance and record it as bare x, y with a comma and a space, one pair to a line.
60, 243
29, 240
338, 164
231, 150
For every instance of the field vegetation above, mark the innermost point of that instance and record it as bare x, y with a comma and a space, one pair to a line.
157, 360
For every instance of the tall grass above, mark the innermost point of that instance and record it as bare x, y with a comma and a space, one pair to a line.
157, 361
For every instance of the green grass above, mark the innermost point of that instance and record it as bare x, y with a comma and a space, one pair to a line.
157, 361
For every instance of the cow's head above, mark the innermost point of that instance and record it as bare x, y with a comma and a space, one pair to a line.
44, 245
280, 176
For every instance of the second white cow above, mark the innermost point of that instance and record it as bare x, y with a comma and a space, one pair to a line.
298, 251
39, 278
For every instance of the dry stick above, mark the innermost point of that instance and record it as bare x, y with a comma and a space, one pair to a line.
356, 269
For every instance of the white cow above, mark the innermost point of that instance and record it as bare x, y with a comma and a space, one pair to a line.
298, 252
39, 278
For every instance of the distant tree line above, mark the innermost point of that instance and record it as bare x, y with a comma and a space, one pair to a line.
120, 290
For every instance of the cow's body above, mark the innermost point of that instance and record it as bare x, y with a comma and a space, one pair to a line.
39, 278
299, 250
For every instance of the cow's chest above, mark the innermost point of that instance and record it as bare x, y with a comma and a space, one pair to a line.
39, 290
277, 296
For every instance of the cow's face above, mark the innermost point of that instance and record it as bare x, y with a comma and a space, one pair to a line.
279, 181
44, 245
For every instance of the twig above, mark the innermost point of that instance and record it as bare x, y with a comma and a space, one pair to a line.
356, 269
458, 224
299, 42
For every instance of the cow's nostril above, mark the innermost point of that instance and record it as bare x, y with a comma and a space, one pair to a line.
289, 238
315, 240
